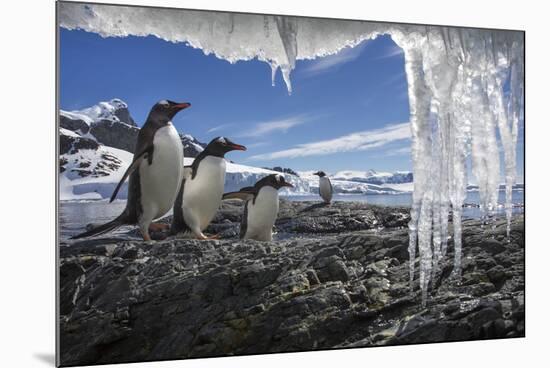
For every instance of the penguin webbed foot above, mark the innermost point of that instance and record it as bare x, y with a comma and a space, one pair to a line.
201, 236
146, 236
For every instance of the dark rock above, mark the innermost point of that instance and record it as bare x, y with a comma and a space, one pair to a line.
115, 134
75, 125
70, 144
124, 300
497, 274
191, 146
123, 114
493, 246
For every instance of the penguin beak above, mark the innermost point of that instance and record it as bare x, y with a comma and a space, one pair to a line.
237, 147
182, 106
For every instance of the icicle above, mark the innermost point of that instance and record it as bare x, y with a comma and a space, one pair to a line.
436, 199
444, 37
288, 29
425, 244
285, 71
232, 21
274, 68
419, 101
460, 72
266, 26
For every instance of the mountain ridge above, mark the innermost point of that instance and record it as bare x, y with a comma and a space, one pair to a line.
96, 147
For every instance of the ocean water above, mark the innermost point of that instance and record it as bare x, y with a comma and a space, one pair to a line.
75, 215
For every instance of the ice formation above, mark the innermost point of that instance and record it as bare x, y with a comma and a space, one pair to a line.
464, 85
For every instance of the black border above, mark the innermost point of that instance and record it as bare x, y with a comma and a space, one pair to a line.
57, 107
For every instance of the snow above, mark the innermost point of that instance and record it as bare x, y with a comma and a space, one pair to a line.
361, 182
455, 76
68, 133
73, 186
104, 110
401, 187
238, 176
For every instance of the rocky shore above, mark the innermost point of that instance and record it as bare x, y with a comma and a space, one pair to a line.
334, 276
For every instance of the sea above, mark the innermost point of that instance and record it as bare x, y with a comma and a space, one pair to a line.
75, 215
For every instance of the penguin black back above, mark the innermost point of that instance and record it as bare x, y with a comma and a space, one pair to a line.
217, 147
276, 181
159, 117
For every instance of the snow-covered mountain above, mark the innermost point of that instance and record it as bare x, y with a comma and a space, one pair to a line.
110, 123
359, 182
96, 147
375, 177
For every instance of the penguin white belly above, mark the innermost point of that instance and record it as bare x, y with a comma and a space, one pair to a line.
325, 189
203, 194
262, 214
160, 181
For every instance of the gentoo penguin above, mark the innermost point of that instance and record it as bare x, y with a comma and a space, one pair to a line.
155, 173
261, 206
325, 187
201, 191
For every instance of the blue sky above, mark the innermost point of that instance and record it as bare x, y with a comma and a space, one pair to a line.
347, 111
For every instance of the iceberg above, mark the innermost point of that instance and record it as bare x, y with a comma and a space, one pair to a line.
465, 86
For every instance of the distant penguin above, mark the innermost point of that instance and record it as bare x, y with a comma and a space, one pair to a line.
261, 206
201, 191
155, 173
325, 187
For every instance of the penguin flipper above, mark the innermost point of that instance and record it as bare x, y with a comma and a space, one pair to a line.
178, 221
245, 194
135, 164
244, 222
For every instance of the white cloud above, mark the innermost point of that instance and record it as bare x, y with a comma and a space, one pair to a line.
403, 151
281, 125
256, 144
359, 141
327, 63
219, 127
393, 51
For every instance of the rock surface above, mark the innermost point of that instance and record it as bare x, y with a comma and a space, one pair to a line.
115, 134
334, 277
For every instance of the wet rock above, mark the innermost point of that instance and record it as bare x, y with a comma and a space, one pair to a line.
124, 300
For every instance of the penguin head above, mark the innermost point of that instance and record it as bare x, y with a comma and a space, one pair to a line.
219, 146
165, 110
276, 181
320, 174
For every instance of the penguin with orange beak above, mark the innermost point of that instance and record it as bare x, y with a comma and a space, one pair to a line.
156, 173
201, 191
261, 206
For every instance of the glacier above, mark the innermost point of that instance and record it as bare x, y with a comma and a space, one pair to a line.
465, 88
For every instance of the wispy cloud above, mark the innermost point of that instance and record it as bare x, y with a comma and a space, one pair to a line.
256, 144
403, 151
280, 125
391, 52
359, 141
331, 62
219, 127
